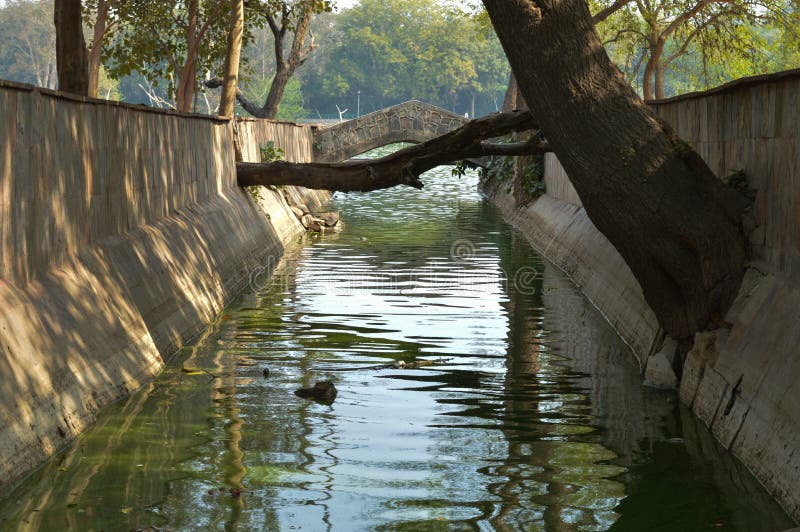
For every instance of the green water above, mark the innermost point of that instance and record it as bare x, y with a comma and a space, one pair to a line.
531, 418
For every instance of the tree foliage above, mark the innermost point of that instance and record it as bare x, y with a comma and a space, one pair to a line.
669, 46
409, 49
29, 42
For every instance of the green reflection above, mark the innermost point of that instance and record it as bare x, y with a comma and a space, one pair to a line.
532, 416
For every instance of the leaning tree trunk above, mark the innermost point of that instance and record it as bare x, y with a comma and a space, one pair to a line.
405, 166
70, 48
675, 224
230, 83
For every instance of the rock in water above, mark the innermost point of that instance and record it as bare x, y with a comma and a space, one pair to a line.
330, 219
265, 372
323, 392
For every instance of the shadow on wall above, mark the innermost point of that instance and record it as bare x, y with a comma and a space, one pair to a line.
122, 233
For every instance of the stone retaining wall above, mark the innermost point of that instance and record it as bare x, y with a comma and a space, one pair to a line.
122, 235
743, 382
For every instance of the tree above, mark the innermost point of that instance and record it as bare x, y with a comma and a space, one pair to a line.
98, 15
283, 17
231, 80
666, 30
676, 225
172, 40
392, 52
73, 73
28, 54
404, 166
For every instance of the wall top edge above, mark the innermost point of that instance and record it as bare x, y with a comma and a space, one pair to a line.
23, 87
731, 86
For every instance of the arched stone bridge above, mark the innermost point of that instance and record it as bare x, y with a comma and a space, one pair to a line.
411, 121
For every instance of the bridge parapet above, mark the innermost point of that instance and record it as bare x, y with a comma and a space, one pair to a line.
412, 121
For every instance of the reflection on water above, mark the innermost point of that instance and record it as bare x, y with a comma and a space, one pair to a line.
532, 416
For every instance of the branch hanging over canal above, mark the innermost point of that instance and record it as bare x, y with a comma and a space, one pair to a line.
470, 141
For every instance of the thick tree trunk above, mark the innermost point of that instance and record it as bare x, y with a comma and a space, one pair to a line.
403, 167
675, 224
227, 102
73, 75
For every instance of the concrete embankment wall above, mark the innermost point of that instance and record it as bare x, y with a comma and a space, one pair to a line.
122, 234
743, 382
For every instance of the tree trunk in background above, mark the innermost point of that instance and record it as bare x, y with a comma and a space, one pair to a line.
230, 83
647, 79
659, 81
96, 52
675, 224
73, 75
187, 77
276, 90
510, 101
94, 73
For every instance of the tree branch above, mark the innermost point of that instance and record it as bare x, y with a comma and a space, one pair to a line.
402, 167
244, 101
606, 12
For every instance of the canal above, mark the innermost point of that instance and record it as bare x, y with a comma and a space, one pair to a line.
516, 407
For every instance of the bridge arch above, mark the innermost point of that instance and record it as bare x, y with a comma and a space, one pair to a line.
411, 121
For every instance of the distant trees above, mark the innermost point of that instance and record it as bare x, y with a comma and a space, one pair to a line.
380, 53
28, 54
395, 51
171, 41
650, 37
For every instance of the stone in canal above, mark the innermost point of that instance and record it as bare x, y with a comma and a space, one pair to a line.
323, 392
330, 219
659, 372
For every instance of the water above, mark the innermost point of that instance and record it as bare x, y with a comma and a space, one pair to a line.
529, 416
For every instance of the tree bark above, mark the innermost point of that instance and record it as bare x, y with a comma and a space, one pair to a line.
510, 100
188, 73
276, 90
675, 224
95, 55
659, 80
402, 167
73, 75
227, 102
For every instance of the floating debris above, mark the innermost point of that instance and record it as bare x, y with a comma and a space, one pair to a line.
323, 392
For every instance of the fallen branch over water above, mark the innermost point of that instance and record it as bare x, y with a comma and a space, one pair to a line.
403, 167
